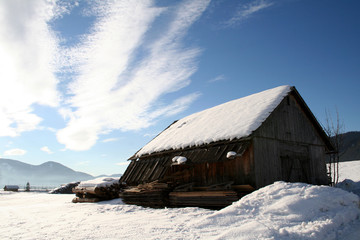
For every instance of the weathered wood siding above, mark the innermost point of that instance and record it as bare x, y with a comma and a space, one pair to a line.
205, 166
204, 173
289, 135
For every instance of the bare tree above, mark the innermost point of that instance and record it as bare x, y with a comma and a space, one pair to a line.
335, 131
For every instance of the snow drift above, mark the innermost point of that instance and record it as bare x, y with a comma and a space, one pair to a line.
287, 211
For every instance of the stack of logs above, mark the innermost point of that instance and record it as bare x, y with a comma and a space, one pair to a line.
153, 194
214, 196
95, 193
157, 194
205, 199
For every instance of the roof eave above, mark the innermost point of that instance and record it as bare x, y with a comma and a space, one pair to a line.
220, 142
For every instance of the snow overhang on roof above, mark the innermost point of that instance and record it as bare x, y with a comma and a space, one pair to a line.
232, 120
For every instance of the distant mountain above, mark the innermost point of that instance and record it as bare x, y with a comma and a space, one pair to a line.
350, 149
48, 174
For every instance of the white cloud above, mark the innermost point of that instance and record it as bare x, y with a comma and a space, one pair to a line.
110, 140
122, 74
50, 129
46, 149
177, 106
247, 10
28, 60
15, 152
217, 78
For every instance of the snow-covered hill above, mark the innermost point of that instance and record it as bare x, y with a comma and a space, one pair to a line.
48, 174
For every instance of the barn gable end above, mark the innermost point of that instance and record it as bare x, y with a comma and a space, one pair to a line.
290, 145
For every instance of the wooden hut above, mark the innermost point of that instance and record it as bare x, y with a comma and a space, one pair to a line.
212, 158
13, 188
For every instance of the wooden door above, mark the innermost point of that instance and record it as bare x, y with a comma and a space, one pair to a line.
295, 168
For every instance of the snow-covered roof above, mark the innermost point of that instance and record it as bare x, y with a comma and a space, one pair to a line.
232, 120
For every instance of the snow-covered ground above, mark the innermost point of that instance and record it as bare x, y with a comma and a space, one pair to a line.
279, 211
349, 170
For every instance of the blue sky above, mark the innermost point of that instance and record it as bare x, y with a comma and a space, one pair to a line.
88, 83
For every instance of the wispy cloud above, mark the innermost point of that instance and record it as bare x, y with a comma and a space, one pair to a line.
122, 69
110, 140
28, 60
122, 73
15, 152
46, 149
217, 78
245, 11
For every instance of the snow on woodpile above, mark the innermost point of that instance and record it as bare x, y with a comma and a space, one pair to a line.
231, 120
98, 189
287, 211
99, 182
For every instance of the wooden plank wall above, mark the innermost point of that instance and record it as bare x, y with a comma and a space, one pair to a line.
239, 170
318, 165
289, 128
205, 166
